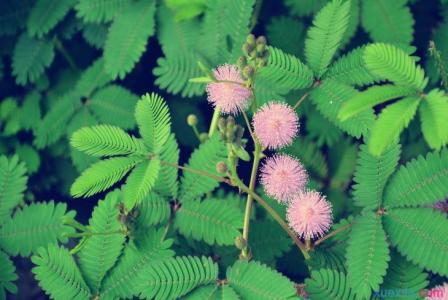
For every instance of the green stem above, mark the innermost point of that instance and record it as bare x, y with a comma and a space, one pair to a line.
331, 234
253, 180
66, 55
299, 102
214, 123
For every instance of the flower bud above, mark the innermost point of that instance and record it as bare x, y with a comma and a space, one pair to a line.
261, 40
222, 124
203, 137
248, 72
242, 62
192, 120
221, 167
250, 39
240, 243
230, 122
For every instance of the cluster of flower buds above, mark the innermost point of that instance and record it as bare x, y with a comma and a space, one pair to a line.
255, 56
230, 131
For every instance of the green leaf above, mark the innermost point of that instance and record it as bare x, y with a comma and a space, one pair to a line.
433, 114
102, 175
285, 71
420, 234
367, 255
34, 226
392, 63
324, 37
390, 123
106, 140
30, 157
330, 96
140, 182
213, 221
175, 277
152, 210
95, 34
12, 14
30, 111
304, 7
153, 120
388, 21
268, 241
371, 97
279, 35
372, 173
167, 184
128, 36
421, 182
138, 255
351, 69
403, 275
13, 182
58, 275
46, 14
101, 250
252, 280
7, 275
204, 159
114, 105
94, 77
327, 284
213, 292
30, 59
99, 11
53, 126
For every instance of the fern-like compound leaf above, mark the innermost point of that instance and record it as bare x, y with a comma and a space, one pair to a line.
102, 175
267, 241
330, 96
167, 184
153, 120
53, 125
128, 37
101, 251
279, 35
140, 182
391, 122
120, 283
403, 275
420, 234
100, 10
95, 34
421, 182
13, 181
327, 284
152, 210
31, 57
392, 63
94, 77
325, 36
173, 278
204, 159
46, 14
34, 226
253, 280
388, 21
7, 275
305, 7
114, 105
371, 97
213, 221
213, 292
58, 274
106, 140
351, 69
12, 14
433, 113
285, 71
372, 173
367, 255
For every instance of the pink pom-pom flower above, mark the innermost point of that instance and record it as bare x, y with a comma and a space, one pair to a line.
276, 125
229, 93
283, 176
309, 214
439, 292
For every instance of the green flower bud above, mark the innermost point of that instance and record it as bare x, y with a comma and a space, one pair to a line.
230, 122
247, 48
222, 124
242, 62
203, 137
192, 120
250, 39
261, 40
248, 72
240, 243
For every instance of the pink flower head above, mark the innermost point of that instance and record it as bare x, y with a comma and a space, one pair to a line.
276, 125
439, 292
229, 93
309, 214
283, 176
